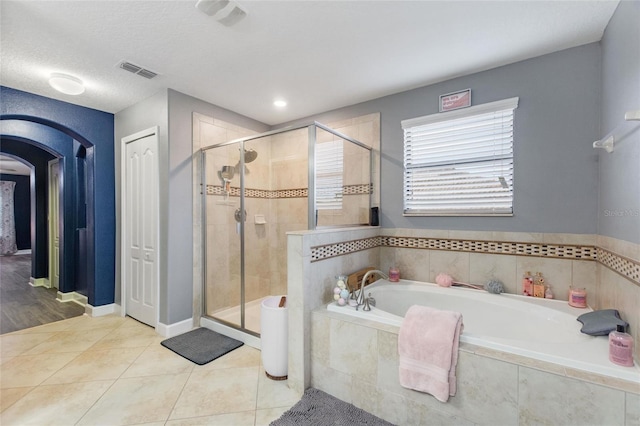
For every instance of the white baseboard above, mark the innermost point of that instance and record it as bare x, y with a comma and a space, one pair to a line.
100, 311
246, 338
175, 328
117, 310
23, 251
73, 296
39, 282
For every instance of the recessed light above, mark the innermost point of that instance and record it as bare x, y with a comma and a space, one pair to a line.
66, 84
280, 103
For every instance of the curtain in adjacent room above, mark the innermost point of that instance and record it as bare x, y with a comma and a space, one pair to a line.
7, 219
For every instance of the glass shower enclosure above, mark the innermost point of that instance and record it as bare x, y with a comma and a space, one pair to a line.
258, 188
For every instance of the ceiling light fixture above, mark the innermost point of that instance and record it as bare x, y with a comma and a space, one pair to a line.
227, 12
280, 103
66, 84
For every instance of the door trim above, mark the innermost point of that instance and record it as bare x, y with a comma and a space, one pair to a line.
153, 131
50, 210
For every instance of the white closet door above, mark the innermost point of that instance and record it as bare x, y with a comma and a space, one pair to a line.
141, 229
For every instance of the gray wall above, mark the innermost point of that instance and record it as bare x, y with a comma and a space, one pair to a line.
556, 171
151, 112
619, 209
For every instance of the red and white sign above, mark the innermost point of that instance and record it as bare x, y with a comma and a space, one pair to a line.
455, 100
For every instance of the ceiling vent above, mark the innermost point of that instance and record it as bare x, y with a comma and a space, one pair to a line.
128, 66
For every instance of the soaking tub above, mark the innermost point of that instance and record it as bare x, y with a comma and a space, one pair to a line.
541, 329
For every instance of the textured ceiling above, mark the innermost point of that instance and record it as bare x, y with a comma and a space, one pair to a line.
318, 55
11, 166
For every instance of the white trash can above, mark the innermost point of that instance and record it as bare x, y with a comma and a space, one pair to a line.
274, 333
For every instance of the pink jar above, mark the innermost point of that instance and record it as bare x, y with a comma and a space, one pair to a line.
577, 297
394, 274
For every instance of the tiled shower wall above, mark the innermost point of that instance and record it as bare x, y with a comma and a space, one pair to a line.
223, 255
290, 169
272, 187
276, 186
356, 184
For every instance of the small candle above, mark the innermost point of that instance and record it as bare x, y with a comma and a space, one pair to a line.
577, 297
394, 274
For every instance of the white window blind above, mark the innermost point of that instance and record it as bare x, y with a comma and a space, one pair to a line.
329, 171
460, 163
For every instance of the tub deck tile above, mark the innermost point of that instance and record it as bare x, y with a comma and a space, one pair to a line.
599, 379
550, 399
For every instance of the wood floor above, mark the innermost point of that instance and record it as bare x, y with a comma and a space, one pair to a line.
23, 306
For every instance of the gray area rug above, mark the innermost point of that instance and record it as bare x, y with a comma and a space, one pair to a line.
319, 408
201, 345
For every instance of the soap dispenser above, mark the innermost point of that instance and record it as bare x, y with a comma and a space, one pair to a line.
621, 347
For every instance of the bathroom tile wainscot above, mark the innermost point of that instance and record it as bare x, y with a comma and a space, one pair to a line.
356, 360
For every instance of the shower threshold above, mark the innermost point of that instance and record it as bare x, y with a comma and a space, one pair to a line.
251, 315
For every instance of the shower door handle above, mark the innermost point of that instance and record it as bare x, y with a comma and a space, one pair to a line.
240, 216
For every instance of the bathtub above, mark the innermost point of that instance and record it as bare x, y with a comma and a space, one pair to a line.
541, 329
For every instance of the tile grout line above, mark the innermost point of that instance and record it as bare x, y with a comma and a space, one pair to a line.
173, 407
255, 408
19, 399
108, 388
95, 402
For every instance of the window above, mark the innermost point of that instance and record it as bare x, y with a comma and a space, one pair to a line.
329, 164
460, 163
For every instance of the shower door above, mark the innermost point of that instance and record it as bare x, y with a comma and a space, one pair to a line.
259, 188
256, 191
222, 233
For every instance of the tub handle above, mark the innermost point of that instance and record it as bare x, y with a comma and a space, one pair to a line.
366, 306
371, 300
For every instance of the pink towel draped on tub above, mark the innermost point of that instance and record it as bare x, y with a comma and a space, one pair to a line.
428, 350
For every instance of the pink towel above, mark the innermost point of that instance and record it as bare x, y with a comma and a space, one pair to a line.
428, 351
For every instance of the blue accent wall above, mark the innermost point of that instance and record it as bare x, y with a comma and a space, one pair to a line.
39, 159
35, 117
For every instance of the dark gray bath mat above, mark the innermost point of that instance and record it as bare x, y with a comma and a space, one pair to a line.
319, 408
201, 345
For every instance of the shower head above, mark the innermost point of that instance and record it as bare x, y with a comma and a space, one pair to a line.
250, 155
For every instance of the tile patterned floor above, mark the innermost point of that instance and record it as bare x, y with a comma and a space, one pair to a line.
113, 371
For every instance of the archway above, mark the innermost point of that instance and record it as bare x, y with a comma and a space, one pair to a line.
92, 135
73, 259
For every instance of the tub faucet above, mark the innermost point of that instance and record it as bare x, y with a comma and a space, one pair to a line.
361, 298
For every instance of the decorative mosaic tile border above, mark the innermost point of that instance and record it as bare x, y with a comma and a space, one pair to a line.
234, 191
628, 268
562, 251
557, 251
357, 189
345, 247
284, 193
